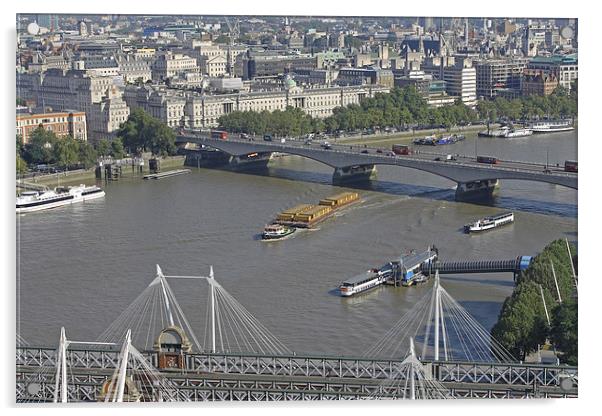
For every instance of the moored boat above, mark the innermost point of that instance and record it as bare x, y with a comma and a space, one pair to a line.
552, 126
39, 200
501, 132
360, 283
518, 133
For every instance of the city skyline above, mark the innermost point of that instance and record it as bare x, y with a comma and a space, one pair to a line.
268, 160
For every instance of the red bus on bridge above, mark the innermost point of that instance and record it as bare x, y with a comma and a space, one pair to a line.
570, 166
218, 134
401, 149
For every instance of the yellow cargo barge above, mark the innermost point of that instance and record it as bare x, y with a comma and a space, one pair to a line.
290, 213
306, 215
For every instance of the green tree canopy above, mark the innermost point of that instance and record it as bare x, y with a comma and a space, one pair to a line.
564, 331
39, 149
21, 165
87, 155
522, 324
290, 122
117, 148
142, 132
103, 147
66, 151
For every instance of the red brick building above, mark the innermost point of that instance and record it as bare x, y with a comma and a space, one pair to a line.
538, 82
66, 123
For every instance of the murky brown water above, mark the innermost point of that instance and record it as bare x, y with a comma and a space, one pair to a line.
81, 265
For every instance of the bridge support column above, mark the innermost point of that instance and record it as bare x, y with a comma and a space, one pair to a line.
470, 191
251, 161
206, 159
353, 174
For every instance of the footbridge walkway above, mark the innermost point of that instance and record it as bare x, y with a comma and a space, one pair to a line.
219, 376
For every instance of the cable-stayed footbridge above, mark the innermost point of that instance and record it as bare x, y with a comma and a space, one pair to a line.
152, 353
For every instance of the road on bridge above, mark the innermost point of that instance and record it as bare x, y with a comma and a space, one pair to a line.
463, 169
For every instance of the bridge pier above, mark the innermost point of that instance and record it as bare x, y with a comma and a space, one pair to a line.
358, 173
205, 158
477, 190
252, 161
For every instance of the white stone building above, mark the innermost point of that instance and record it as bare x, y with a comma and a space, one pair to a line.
132, 68
186, 109
170, 64
461, 81
107, 115
85, 91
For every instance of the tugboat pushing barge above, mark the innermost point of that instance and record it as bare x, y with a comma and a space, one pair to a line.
308, 215
273, 232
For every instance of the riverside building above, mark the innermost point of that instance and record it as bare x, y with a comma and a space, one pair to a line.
461, 81
63, 124
179, 108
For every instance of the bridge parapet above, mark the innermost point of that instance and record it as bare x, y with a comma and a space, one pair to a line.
309, 366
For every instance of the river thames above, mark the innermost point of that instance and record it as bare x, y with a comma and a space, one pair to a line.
80, 266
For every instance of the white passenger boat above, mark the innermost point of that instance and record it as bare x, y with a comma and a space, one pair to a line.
360, 283
489, 223
518, 133
36, 201
552, 126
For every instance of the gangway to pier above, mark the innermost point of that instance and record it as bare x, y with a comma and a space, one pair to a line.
514, 266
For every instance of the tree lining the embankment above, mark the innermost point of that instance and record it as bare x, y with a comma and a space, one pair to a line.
522, 324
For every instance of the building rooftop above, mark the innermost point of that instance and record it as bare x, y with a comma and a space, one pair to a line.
556, 59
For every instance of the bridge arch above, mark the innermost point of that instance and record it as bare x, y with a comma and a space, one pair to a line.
455, 172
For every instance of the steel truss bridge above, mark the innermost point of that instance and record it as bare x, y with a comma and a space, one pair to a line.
218, 376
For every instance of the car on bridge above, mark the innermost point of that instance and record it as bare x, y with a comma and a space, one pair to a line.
326, 146
267, 137
365, 151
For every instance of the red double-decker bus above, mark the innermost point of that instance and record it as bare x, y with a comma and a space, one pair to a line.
218, 134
